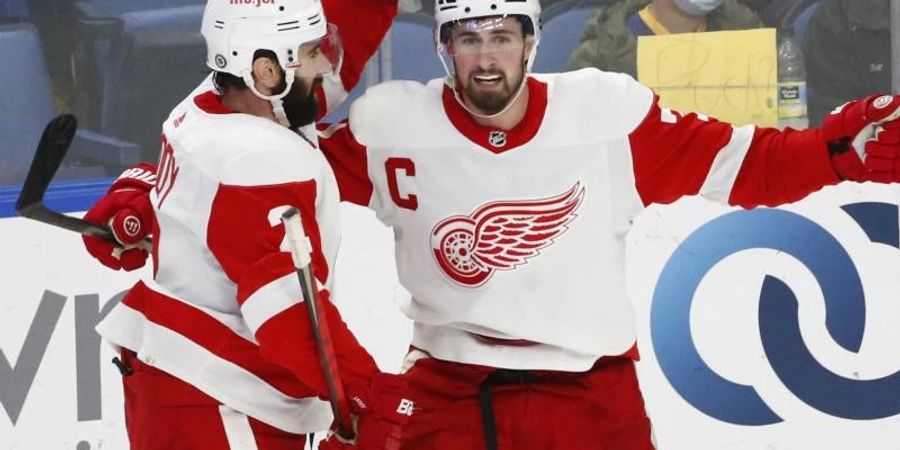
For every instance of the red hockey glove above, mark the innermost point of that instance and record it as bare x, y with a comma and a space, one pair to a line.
126, 210
863, 138
882, 159
381, 409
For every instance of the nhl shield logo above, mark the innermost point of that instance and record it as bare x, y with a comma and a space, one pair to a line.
497, 138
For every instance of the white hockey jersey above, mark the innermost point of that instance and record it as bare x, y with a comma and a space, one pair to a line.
224, 311
511, 242
223, 181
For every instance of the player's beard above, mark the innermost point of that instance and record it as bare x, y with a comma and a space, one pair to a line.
300, 104
492, 102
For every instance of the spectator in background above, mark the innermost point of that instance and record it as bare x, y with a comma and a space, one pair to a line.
609, 39
778, 13
758, 5
57, 25
848, 53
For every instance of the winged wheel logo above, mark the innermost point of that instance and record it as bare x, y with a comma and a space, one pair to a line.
501, 235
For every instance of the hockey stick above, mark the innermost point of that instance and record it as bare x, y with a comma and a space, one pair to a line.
51, 151
300, 252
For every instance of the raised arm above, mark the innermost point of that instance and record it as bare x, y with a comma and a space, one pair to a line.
362, 24
347, 158
676, 155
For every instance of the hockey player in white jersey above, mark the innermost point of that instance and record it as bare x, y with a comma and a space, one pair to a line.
510, 195
217, 350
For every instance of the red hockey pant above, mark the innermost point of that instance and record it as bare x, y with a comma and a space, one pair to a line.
601, 409
165, 413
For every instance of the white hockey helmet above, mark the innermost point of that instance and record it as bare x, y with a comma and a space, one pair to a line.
448, 12
235, 29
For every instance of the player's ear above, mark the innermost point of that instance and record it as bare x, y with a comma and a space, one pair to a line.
267, 74
529, 44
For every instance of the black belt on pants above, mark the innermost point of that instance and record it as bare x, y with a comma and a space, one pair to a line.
497, 377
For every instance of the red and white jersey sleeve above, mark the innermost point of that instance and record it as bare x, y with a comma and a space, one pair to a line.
677, 155
361, 25
347, 158
518, 236
224, 311
258, 188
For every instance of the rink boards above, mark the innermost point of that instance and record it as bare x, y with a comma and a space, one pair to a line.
771, 329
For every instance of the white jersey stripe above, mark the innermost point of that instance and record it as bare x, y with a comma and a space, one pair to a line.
270, 300
727, 165
219, 378
237, 429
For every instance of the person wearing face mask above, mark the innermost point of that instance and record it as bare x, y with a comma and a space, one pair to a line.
609, 39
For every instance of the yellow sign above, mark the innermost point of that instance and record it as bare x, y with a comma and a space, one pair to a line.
729, 75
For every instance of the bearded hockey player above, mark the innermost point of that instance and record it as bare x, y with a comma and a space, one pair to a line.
217, 350
510, 195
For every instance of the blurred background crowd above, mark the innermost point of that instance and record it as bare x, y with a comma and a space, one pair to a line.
121, 65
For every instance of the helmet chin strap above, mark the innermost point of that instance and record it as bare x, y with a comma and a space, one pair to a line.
274, 100
278, 110
451, 82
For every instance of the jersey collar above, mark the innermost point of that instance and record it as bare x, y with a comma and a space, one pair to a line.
211, 103
494, 139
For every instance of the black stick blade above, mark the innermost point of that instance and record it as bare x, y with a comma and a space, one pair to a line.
51, 150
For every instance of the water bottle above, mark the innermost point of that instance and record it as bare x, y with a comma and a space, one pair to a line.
791, 84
